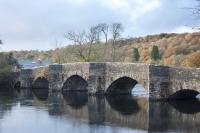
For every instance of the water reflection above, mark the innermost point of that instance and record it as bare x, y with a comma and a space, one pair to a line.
41, 94
78, 112
76, 100
187, 106
125, 104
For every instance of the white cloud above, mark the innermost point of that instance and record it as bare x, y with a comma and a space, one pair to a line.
184, 29
133, 9
116, 4
29, 24
78, 2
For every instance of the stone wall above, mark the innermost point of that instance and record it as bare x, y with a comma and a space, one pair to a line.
97, 78
26, 78
184, 78
55, 77
159, 81
136, 71
29, 76
165, 81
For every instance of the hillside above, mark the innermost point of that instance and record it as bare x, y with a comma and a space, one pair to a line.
175, 49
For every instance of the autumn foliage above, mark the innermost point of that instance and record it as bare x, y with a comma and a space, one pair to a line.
174, 49
194, 60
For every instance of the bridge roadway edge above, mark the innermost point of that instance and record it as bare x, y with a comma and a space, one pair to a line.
160, 81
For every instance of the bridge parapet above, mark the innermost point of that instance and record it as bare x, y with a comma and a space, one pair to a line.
159, 81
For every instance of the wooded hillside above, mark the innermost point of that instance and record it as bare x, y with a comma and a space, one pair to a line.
174, 49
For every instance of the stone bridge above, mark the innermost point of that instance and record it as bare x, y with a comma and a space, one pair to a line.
114, 78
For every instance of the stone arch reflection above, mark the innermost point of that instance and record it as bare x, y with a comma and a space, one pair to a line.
76, 100
124, 104
184, 94
41, 94
123, 85
186, 106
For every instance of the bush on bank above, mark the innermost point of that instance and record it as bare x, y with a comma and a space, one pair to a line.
8, 70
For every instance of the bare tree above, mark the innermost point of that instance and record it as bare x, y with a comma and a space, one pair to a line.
78, 39
84, 38
104, 28
92, 38
57, 46
116, 29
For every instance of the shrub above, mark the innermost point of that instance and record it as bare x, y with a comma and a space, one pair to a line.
193, 60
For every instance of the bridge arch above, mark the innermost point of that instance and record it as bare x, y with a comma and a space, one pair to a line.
75, 83
40, 83
122, 85
184, 94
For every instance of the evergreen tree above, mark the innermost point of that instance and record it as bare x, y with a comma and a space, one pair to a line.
155, 53
136, 55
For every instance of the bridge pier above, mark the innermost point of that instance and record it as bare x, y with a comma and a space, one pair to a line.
26, 78
100, 78
55, 77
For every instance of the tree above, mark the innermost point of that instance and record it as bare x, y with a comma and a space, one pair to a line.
193, 60
155, 53
84, 40
104, 28
92, 38
116, 29
1, 42
136, 55
59, 57
78, 39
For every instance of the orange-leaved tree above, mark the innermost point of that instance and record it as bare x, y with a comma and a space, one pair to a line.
193, 60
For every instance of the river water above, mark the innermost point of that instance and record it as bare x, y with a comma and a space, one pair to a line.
26, 111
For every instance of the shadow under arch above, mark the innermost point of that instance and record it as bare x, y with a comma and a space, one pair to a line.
75, 83
40, 83
76, 100
186, 106
124, 104
123, 85
184, 94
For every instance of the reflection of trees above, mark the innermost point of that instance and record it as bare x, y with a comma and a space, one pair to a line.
124, 104
76, 100
6, 102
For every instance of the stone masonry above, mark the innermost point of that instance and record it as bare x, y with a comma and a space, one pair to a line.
159, 81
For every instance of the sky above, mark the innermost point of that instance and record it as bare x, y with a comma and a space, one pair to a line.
39, 24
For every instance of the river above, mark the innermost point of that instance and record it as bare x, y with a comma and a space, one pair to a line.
37, 111
26, 111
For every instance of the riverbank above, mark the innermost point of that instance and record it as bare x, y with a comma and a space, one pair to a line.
9, 68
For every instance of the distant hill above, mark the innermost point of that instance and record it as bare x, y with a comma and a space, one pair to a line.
175, 49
